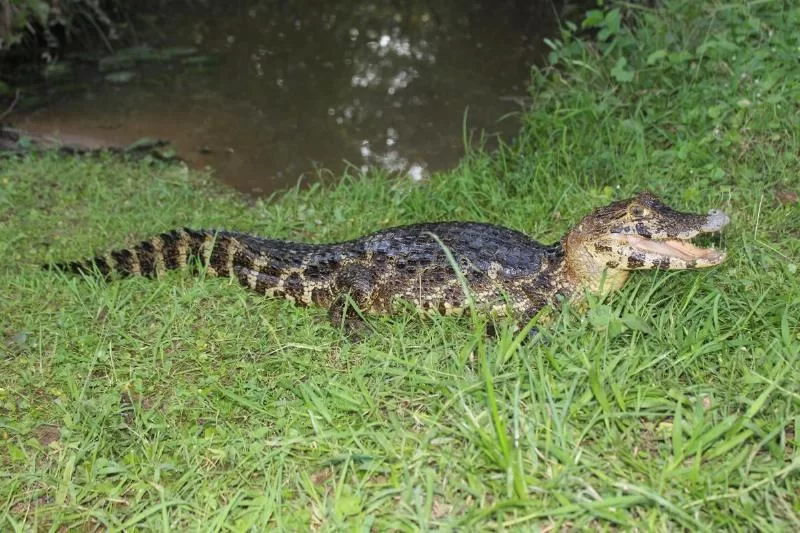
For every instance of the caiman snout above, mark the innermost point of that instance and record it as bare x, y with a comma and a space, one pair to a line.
715, 222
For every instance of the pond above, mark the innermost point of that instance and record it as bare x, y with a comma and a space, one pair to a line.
265, 92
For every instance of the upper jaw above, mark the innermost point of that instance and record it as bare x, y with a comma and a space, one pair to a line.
683, 226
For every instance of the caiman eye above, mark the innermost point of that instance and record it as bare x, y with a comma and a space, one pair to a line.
637, 211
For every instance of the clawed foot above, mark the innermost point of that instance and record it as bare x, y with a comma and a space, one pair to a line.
534, 335
355, 329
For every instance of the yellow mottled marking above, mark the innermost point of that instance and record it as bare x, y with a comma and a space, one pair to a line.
158, 247
136, 268
205, 249
252, 279
231, 253
260, 262
182, 246
308, 290
494, 269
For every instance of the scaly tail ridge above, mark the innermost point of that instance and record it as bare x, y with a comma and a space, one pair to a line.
169, 251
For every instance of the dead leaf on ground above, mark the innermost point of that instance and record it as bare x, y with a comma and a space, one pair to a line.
786, 196
47, 434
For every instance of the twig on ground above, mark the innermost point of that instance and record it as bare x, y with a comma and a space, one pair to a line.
11, 106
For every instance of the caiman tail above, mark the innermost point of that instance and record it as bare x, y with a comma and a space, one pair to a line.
168, 251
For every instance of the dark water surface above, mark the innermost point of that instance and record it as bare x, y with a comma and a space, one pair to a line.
267, 91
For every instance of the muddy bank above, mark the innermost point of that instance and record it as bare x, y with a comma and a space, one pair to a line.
15, 141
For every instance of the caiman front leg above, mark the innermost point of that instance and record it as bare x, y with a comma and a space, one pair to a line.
536, 308
521, 307
352, 294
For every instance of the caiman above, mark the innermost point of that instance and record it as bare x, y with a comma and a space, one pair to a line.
504, 271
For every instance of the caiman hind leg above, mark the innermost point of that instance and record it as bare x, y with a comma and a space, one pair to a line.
352, 289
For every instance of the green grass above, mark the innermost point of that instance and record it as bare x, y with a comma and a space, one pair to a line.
188, 403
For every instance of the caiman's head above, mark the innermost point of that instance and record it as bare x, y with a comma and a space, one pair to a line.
640, 233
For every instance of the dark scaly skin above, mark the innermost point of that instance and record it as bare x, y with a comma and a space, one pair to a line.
506, 271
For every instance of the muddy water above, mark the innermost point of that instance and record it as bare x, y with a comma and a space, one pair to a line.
267, 91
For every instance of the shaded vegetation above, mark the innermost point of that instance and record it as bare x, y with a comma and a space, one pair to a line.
51, 20
55, 21
185, 403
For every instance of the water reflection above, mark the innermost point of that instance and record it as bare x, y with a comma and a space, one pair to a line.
278, 88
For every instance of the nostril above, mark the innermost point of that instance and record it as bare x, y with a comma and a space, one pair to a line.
716, 220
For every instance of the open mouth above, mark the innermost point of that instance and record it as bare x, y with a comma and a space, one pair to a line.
683, 250
680, 251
